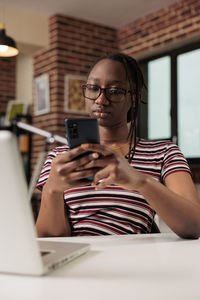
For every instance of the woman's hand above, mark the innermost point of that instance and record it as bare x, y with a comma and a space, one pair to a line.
65, 173
112, 168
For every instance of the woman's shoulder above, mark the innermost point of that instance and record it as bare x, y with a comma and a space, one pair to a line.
59, 149
155, 144
162, 149
56, 151
158, 147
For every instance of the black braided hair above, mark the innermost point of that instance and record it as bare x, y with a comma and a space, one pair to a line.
136, 81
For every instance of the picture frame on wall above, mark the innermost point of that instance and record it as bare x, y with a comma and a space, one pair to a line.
41, 97
14, 108
73, 99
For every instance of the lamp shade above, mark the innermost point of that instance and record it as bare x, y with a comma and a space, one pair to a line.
7, 45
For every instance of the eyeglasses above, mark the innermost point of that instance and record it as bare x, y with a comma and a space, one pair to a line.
113, 94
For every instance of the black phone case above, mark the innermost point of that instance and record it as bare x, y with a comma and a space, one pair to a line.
81, 131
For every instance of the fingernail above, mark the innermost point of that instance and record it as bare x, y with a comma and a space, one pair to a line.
95, 155
84, 146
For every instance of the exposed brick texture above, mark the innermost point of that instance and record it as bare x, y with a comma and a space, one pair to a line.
180, 21
7, 81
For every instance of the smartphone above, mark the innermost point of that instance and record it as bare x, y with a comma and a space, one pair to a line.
82, 131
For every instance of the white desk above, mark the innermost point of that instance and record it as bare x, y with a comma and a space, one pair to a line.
159, 266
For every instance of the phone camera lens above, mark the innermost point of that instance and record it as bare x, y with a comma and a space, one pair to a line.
73, 132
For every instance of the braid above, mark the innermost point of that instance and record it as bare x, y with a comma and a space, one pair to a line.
136, 82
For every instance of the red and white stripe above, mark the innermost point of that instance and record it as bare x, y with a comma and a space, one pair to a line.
115, 210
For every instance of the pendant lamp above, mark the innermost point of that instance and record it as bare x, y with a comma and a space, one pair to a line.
7, 44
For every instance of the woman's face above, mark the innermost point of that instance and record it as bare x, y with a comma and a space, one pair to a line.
109, 74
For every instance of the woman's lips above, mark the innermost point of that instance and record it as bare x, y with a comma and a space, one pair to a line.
101, 114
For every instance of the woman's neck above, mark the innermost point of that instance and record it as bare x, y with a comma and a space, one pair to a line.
110, 135
116, 140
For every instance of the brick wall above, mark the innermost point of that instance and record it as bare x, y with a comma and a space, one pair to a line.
74, 45
8, 81
175, 25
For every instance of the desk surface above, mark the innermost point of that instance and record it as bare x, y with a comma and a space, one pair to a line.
156, 266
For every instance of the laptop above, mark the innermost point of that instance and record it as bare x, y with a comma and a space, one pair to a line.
20, 250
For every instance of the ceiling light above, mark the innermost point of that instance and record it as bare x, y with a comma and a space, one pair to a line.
7, 44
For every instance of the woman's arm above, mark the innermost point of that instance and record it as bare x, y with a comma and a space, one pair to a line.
176, 202
52, 219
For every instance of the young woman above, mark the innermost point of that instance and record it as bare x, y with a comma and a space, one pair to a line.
133, 178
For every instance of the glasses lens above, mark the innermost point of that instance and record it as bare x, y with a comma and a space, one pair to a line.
115, 94
91, 91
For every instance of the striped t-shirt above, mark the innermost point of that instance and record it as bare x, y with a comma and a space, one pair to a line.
115, 210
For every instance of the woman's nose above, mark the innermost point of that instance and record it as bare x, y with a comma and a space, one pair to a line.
102, 100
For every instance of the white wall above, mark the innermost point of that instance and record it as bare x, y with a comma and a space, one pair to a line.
26, 28
24, 77
30, 31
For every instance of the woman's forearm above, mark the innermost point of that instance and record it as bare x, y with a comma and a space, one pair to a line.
180, 214
52, 220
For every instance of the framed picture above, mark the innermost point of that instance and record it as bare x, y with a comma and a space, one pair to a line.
15, 107
73, 99
41, 101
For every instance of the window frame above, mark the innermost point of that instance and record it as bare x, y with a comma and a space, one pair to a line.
143, 117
